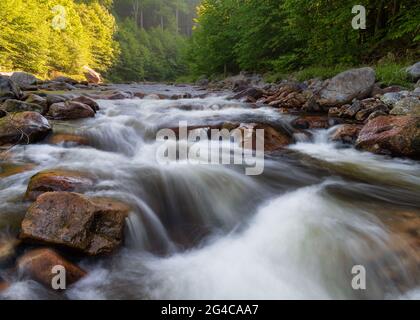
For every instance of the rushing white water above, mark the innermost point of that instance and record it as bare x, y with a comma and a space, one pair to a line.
211, 232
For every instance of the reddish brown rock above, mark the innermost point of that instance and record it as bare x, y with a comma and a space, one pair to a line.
87, 101
23, 128
8, 247
311, 122
70, 110
68, 139
346, 133
38, 264
393, 135
10, 169
92, 226
91, 75
273, 139
57, 180
3, 286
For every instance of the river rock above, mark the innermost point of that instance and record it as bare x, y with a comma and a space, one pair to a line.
370, 106
346, 133
8, 89
391, 98
56, 98
13, 105
65, 80
414, 71
39, 263
88, 101
23, 127
273, 139
346, 86
91, 75
289, 95
407, 106
57, 180
68, 140
392, 135
119, 95
36, 99
152, 96
92, 226
70, 110
7, 249
57, 86
311, 122
24, 79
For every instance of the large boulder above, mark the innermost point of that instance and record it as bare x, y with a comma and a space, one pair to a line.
23, 127
24, 79
70, 110
8, 89
91, 75
39, 265
407, 106
13, 105
92, 226
57, 180
346, 86
414, 71
392, 135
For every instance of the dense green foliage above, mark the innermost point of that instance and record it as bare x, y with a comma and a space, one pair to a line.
285, 35
152, 38
30, 40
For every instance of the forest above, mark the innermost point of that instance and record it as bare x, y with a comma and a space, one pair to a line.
166, 40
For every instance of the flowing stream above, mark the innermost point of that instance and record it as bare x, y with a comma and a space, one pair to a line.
212, 232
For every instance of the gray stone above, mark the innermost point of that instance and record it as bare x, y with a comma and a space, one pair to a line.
346, 86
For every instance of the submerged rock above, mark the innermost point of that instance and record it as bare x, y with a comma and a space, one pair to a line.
13, 105
92, 226
7, 248
393, 135
57, 180
8, 89
346, 86
38, 264
23, 127
3, 285
67, 139
70, 110
346, 133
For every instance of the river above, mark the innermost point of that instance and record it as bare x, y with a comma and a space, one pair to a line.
212, 232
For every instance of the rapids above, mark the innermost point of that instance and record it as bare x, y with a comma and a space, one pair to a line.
212, 232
